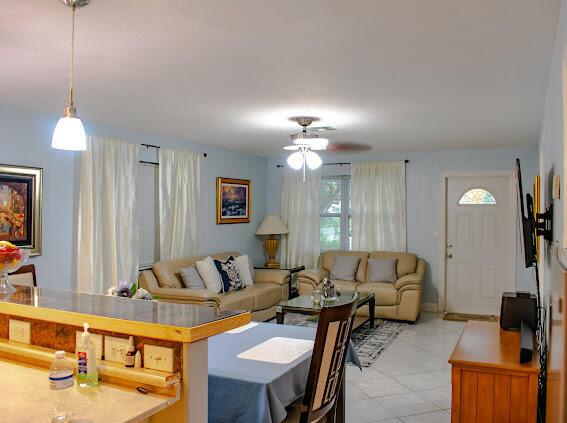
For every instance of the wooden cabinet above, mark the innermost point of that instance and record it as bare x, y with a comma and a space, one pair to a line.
489, 383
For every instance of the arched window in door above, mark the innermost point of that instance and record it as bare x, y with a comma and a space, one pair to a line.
477, 196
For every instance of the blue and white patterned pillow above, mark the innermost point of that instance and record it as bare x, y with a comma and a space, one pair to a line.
230, 275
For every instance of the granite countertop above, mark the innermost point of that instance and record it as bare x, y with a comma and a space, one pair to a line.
163, 320
26, 397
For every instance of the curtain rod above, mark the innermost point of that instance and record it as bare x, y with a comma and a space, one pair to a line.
337, 163
158, 147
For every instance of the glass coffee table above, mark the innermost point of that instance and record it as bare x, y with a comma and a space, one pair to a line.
304, 305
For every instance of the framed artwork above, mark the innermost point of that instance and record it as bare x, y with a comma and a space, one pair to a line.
20, 206
233, 200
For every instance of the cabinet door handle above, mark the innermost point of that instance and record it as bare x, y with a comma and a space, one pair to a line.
449, 255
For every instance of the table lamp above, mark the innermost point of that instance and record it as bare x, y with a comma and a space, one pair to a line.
272, 226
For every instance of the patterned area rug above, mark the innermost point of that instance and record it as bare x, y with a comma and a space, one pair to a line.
368, 342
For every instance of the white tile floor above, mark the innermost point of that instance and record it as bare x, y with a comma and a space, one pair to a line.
411, 381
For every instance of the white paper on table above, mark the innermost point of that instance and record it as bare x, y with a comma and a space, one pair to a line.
242, 328
278, 350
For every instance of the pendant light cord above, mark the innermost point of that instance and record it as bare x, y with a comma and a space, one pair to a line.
72, 57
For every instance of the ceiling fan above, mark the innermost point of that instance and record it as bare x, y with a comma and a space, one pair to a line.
305, 144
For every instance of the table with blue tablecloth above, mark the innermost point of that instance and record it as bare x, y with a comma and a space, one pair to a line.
251, 391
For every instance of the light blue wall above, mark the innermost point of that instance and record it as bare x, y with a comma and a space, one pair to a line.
552, 162
25, 140
424, 195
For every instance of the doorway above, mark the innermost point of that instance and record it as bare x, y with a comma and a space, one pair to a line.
480, 247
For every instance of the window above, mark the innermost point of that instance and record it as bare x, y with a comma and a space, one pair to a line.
477, 196
336, 223
148, 214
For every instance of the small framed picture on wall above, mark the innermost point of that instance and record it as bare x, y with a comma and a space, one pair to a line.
20, 206
233, 200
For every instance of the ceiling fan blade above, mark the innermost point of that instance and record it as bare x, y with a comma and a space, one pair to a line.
348, 147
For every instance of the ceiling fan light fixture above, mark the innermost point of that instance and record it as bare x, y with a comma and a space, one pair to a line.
292, 147
295, 160
303, 137
313, 160
319, 144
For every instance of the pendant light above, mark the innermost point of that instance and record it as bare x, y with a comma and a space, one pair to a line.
69, 133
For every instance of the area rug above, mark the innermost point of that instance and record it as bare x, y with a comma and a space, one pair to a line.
368, 342
460, 317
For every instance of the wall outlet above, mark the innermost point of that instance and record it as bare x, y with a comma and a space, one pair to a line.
115, 348
95, 338
158, 358
19, 331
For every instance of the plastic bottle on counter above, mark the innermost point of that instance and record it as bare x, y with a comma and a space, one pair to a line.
87, 374
60, 379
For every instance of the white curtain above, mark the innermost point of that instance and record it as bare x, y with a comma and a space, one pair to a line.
179, 193
378, 192
300, 212
107, 240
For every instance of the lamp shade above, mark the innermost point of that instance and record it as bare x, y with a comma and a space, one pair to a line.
272, 225
69, 134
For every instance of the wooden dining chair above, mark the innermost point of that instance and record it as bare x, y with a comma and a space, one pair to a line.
324, 394
25, 275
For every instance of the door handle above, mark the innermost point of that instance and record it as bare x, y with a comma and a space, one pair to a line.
449, 255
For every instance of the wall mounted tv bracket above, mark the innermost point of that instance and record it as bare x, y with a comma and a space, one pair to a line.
543, 222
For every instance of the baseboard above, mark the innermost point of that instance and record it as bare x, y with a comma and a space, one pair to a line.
429, 307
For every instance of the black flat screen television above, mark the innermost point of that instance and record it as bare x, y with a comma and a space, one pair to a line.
526, 220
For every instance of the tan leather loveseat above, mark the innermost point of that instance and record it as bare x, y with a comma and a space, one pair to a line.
270, 287
400, 300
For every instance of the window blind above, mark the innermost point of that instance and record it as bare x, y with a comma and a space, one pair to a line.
148, 214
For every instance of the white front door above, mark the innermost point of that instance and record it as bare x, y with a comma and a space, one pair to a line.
481, 243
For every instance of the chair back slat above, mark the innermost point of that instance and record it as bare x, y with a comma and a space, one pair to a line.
25, 275
328, 360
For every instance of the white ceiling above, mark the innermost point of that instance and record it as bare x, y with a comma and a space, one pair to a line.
396, 74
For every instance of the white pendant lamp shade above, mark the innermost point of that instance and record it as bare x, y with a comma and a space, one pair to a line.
313, 160
69, 134
295, 160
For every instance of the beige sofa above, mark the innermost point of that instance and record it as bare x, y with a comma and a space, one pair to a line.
270, 287
400, 300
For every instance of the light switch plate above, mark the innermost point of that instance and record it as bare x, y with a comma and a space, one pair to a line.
95, 338
115, 348
19, 331
158, 358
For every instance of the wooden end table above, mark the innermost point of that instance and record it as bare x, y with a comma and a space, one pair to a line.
294, 273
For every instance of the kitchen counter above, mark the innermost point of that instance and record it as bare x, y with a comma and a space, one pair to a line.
160, 320
180, 330
26, 397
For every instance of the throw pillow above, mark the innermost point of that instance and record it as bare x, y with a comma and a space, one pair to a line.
230, 275
191, 278
244, 267
210, 275
345, 267
382, 270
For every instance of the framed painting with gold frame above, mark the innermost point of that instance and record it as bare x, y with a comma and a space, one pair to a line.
20, 206
233, 200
